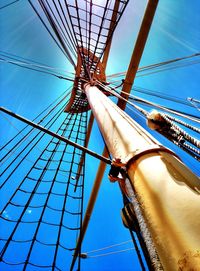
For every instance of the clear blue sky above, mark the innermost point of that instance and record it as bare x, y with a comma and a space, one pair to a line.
175, 33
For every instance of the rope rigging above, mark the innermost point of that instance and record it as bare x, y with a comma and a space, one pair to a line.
25, 136
160, 95
43, 129
47, 28
154, 93
107, 253
164, 124
34, 67
179, 113
60, 189
27, 149
75, 32
43, 205
194, 102
7, 5
39, 115
146, 102
159, 67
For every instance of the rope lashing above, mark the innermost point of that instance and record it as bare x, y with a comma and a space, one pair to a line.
117, 173
164, 124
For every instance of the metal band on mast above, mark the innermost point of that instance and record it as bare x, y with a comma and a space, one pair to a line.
168, 192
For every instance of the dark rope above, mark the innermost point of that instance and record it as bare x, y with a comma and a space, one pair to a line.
7, 5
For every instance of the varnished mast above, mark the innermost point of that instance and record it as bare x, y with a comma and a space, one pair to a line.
168, 191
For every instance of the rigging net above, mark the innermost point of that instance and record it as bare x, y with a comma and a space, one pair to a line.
40, 210
82, 30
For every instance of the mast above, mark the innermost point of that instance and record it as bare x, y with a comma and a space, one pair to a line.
167, 191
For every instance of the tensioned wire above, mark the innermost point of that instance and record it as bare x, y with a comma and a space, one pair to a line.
37, 138
194, 152
32, 143
145, 113
25, 136
141, 100
184, 61
9, 4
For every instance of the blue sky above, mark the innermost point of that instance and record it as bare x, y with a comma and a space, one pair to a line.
175, 33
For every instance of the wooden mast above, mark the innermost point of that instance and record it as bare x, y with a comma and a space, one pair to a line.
168, 192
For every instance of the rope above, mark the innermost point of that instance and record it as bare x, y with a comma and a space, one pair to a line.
173, 132
35, 140
49, 193
39, 115
7, 5
108, 247
165, 126
78, 123
184, 134
20, 142
33, 67
43, 129
194, 103
51, 18
161, 95
161, 64
144, 229
179, 113
111, 253
88, 34
191, 127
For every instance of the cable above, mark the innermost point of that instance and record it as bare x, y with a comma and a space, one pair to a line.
111, 253
44, 24
79, 122
34, 68
161, 64
30, 132
7, 5
108, 247
182, 114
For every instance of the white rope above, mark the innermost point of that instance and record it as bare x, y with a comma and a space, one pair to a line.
135, 112
28, 64
110, 253
152, 104
156, 65
193, 102
107, 247
116, 94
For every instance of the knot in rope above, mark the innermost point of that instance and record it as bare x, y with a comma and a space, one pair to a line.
117, 173
156, 121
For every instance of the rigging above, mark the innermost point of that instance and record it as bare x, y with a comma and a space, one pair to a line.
82, 30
